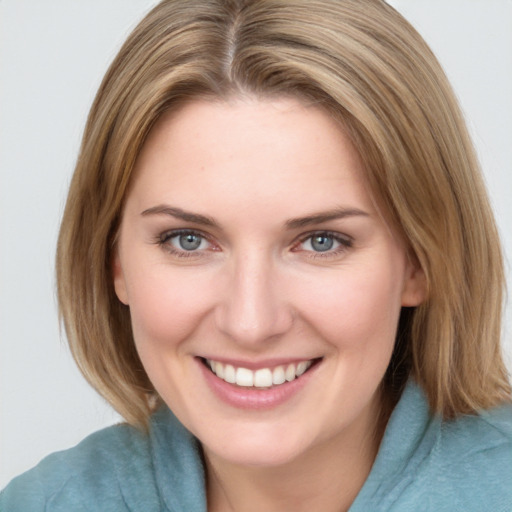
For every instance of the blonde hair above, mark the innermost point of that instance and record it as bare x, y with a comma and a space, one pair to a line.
366, 66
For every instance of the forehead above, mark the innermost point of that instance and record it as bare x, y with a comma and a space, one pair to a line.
264, 151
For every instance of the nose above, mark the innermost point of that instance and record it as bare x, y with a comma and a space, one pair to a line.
253, 307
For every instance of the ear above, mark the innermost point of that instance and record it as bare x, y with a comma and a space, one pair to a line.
119, 279
415, 284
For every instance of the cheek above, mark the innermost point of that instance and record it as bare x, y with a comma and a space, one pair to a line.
166, 310
166, 307
358, 311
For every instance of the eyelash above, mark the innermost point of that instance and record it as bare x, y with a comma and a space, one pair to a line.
345, 242
163, 240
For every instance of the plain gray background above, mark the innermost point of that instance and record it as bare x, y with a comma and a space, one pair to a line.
53, 54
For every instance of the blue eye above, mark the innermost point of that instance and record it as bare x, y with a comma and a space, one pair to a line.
322, 243
188, 242
325, 242
183, 241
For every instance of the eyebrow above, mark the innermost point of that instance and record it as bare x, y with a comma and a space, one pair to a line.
319, 218
178, 213
299, 222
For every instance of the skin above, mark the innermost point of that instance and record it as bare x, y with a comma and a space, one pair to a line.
257, 290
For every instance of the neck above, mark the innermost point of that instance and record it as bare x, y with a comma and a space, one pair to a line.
326, 477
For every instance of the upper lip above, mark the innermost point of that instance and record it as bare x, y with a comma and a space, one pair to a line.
256, 365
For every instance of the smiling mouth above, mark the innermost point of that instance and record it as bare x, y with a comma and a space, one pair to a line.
263, 378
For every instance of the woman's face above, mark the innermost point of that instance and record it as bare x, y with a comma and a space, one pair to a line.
249, 244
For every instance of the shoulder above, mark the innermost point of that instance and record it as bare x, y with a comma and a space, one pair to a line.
472, 463
429, 464
463, 465
477, 435
101, 469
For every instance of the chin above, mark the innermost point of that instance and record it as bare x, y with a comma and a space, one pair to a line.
254, 456
259, 448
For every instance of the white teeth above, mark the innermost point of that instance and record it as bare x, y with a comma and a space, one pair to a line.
229, 374
244, 377
262, 378
290, 372
278, 376
301, 368
218, 369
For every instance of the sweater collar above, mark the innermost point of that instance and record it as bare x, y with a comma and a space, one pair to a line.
411, 435
179, 471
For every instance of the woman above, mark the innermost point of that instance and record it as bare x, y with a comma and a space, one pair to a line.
277, 230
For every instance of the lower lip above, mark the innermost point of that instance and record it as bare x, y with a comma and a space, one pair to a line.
255, 398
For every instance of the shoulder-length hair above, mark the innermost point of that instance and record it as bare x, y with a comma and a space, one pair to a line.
366, 66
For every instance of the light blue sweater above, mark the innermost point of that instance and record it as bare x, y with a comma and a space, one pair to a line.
424, 464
